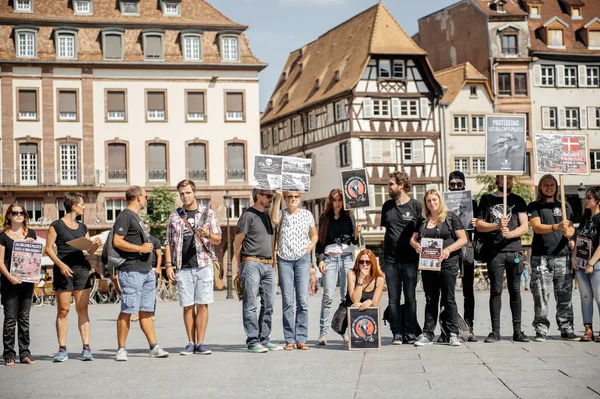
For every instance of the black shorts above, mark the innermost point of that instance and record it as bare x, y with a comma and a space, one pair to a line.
79, 281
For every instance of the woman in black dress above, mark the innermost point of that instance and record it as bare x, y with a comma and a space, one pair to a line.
16, 295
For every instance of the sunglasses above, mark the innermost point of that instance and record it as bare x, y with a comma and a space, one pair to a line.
364, 262
457, 185
269, 196
295, 197
17, 213
145, 196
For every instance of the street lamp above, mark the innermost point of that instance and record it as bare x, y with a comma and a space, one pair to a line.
581, 192
228, 203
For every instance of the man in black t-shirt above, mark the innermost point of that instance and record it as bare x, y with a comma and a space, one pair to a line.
136, 278
399, 216
504, 235
550, 260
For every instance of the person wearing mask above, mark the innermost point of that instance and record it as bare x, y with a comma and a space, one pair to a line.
506, 252
365, 281
16, 295
588, 277
457, 182
550, 271
440, 223
337, 233
253, 253
71, 274
399, 217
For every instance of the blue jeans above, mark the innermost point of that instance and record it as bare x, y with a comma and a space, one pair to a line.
138, 291
294, 275
589, 290
399, 278
258, 278
336, 268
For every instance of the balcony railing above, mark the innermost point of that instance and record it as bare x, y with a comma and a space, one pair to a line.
49, 177
157, 175
197, 174
117, 176
236, 174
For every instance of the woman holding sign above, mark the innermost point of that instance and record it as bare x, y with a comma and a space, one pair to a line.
71, 272
16, 295
440, 224
588, 275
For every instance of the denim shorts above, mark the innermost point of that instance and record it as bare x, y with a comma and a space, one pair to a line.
138, 291
195, 285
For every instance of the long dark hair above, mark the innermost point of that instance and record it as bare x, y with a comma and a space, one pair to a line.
7, 221
328, 214
540, 196
595, 192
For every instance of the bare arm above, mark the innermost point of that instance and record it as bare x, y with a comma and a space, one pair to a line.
485, 227
523, 226
120, 243
461, 241
50, 241
275, 208
314, 237
378, 291
354, 291
414, 242
158, 253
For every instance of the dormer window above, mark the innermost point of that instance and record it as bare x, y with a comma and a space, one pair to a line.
230, 48
337, 76
26, 42
66, 43
112, 44
534, 12
555, 38
509, 44
283, 76
500, 7
170, 8
130, 7
23, 5
82, 7
555, 31
153, 45
593, 34
192, 46
576, 13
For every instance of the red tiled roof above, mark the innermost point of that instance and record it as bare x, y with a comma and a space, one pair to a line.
455, 78
511, 9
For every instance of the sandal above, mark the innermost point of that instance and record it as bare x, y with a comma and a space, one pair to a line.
289, 347
9, 362
27, 360
302, 346
322, 340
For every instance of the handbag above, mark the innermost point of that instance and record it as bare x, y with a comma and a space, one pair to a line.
339, 321
239, 290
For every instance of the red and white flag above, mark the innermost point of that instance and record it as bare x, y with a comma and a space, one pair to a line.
571, 144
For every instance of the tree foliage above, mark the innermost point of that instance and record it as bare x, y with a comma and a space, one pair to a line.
160, 204
489, 185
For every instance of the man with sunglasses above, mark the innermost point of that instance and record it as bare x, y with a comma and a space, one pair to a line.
136, 278
253, 253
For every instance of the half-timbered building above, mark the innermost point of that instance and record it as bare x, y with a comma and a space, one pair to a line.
361, 95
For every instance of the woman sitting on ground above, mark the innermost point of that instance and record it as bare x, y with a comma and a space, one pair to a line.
365, 281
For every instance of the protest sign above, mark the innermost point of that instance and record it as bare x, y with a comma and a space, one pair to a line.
583, 252
461, 204
431, 250
26, 261
272, 172
505, 144
364, 326
355, 185
561, 154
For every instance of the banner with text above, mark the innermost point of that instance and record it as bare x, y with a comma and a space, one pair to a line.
26, 261
561, 154
355, 185
461, 204
505, 144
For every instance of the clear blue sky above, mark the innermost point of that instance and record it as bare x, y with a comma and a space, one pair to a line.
278, 27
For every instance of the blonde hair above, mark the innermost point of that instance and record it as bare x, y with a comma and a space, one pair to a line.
443, 207
287, 193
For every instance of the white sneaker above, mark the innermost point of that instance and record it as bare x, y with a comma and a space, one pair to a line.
454, 341
423, 341
121, 355
158, 351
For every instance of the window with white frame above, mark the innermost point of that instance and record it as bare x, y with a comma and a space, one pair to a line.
473, 91
547, 72
170, 9
460, 123
462, 165
230, 49
67, 105
555, 38
592, 73
310, 120
398, 69
66, 45
552, 118
413, 151
68, 164
294, 126
83, 7
115, 105
477, 123
379, 151
235, 106
113, 208
381, 108
597, 116
344, 154
380, 194
26, 43
192, 47
409, 108
572, 117
28, 164
34, 208
417, 192
195, 106
155, 103
384, 69
340, 113
571, 76
478, 166
238, 207
23, 5
130, 7
27, 103
595, 158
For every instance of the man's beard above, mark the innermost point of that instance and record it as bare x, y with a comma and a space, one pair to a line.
508, 189
394, 194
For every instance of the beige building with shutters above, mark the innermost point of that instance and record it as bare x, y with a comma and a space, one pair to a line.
95, 98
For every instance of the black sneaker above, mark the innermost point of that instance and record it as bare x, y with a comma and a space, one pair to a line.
472, 337
492, 338
569, 336
410, 340
397, 340
519, 336
539, 337
443, 339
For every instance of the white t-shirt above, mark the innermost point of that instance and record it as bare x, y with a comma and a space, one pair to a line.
293, 235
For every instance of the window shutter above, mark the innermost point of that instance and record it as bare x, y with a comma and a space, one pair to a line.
330, 114
418, 151
560, 75
537, 75
157, 157
68, 101
545, 118
395, 108
113, 46
367, 108
197, 156
371, 196
153, 47
425, 110
582, 74
235, 102
345, 110
115, 101
27, 101
156, 101
393, 151
367, 150
338, 157
349, 153
562, 118
117, 157
582, 118
235, 156
195, 102
592, 122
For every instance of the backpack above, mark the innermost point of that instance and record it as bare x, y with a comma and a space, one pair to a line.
110, 256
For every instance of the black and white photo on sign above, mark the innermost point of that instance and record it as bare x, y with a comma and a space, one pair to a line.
561, 154
282, 173
297, 165
267, 172
461, 204
295, 182
505, 144
355, 185
583, 252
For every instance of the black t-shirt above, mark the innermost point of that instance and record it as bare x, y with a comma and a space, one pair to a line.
444, 232
491, 210
188, 258
589, 227
400, 223
71, 256
554, 243
7, 243
340, 231
157, 246
131, 226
